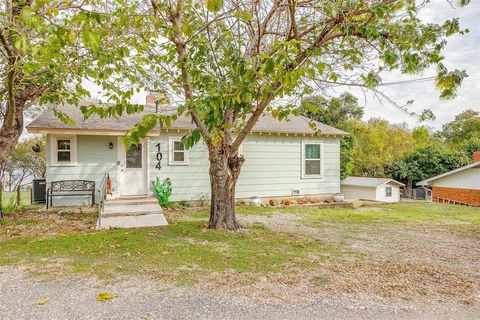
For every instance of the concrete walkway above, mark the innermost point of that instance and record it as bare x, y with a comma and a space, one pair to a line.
132, 213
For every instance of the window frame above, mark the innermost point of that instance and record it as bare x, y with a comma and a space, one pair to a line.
321, 159
54, 150
171, 161
391, 191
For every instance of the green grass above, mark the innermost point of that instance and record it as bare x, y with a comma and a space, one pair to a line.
183, 250
9, 197
422, 212
186, 252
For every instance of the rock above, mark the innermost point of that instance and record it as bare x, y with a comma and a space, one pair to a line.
274, 202
289, 202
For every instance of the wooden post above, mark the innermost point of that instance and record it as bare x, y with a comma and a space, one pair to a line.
1, 195
18, 196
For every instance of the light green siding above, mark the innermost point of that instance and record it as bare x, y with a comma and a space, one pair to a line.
94, 159
272, 168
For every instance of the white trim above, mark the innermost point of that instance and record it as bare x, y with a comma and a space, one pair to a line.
468, 166
171, 162
322, 159
54, 150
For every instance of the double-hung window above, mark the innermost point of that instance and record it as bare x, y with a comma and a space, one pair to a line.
64, 150
178, 155
312, 160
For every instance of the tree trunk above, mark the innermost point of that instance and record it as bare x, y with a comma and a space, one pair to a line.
224, 172
11, 130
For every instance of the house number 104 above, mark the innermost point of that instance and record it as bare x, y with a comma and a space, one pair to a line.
159, 157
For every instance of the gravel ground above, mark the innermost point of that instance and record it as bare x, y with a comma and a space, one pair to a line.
141, 298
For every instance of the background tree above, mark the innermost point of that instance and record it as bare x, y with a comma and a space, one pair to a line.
48, 49
336, 112
426, 162
227, 63
465, 126
377, 144
26, 161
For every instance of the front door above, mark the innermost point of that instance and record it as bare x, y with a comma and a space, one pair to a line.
132, 170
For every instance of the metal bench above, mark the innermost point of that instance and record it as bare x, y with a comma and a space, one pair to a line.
70, 188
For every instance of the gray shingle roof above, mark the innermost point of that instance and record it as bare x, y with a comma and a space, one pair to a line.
47, 120
367, 182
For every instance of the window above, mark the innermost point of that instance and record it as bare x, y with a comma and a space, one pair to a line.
178, 155
64, 150
312, 166
388, 191
134, 157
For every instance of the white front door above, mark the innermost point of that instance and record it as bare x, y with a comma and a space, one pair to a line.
132, 170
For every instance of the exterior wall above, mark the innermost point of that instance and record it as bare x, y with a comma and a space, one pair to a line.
94, 159
355, 192
381, 194
466, 179
468, 196
272, 168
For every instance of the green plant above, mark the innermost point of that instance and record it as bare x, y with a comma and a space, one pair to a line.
163, 191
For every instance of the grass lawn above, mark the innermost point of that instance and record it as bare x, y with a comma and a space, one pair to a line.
407, 249
9, 197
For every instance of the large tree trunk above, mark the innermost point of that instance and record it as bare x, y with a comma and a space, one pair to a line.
11, 129
224, 172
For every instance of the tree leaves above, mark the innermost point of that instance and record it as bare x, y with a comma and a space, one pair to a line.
213, 5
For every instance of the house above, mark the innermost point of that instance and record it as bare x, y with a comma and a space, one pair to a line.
376, 189
282, 158
459, 186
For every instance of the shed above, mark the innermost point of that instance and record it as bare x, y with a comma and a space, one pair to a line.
376, 189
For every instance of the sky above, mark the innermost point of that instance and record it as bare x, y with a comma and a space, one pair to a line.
462, 52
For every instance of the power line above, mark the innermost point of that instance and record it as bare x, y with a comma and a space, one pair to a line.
407, 81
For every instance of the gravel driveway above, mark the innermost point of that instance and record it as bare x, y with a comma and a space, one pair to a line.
141, 298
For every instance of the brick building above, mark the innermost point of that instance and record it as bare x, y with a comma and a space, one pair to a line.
459, 186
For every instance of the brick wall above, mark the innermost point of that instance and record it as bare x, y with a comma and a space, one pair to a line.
469, 196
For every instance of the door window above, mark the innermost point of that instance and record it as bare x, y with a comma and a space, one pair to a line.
134, 156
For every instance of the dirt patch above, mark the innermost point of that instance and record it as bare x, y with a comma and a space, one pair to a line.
410, 261
46, 223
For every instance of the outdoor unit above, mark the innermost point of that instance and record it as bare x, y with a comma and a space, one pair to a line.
39, 190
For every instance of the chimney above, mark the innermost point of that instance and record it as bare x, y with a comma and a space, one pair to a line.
154, 96
476, 156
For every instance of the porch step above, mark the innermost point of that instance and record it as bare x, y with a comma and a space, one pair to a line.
132, 213
148, 220
112, 209
131, 201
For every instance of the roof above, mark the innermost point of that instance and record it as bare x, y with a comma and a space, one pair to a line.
468, 166
368, 182
267, 123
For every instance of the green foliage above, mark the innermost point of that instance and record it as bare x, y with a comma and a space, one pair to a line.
470, 146
465, 126
163, 191
421, 135
378, 143
205, 52
426, 162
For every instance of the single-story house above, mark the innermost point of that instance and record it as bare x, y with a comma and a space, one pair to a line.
376, 189
461, 186
282, 158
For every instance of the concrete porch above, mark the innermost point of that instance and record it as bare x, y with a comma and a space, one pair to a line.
135, 212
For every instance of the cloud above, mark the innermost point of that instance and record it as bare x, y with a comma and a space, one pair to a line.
462, 52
